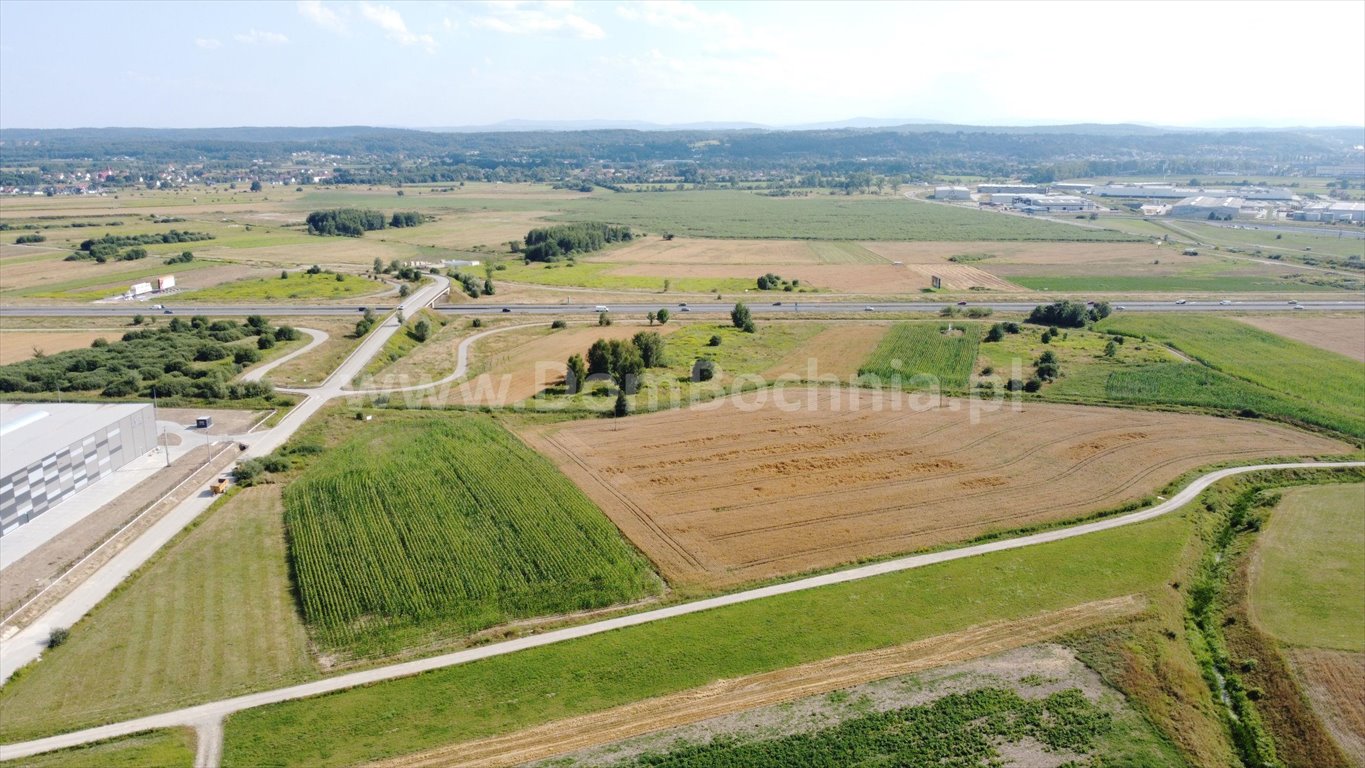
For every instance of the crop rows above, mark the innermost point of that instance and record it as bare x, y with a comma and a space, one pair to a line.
962, 729
447, 524
1303, 382
912, 351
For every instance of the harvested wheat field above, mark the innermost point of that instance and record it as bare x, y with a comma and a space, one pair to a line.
767, 253
1344, 335
17, 346
835, 351
1332, 680
734, 491
880, 279
726, 697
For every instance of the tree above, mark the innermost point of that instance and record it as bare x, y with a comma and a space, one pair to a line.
667, 284
576, 376
421, 331
599, 357
487, 287
662, 316
622, 407
714, 342
650, 317
138, 319
378, 265
741, 318
1111, 349
996, 333
651, 346
703, 370
404, 291
256, 186
603, 318
284, 274
265, 341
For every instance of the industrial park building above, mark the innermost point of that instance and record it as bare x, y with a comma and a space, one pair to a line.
50, 451
1004, 189
952, 193
1352, 212
1204, 207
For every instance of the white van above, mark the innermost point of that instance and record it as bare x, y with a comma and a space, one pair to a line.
601, 308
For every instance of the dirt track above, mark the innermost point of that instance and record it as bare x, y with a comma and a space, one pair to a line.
727, 696
725, 495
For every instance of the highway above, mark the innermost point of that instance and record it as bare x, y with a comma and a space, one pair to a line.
758, 305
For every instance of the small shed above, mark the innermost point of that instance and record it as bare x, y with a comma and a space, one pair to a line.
203, 422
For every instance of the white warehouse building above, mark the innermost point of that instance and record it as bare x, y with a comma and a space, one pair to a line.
1205, 207
50, 451
952, 193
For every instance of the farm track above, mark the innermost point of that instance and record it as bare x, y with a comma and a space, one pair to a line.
214, 711
725, 697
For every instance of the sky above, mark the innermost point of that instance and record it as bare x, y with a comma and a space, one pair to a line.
442, 64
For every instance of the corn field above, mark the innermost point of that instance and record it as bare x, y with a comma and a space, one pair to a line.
446, 524
914, 351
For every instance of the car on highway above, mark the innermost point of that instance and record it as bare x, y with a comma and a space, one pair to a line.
1120, 307
682, 303
360, 309
1299, 306
1293, 301
777, 303
962, 303
601, 308
168, 312
1181, 301
685, 308
869, 309
1224, 302
506, 309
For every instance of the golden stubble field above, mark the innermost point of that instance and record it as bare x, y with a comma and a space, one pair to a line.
731, 494
1343, 334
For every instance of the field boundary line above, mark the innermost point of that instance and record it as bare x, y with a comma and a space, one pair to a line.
226, 707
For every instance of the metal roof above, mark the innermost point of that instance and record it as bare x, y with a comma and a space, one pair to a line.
31, 431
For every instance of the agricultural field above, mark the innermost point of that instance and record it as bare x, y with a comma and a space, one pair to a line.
162, 749
1343, 334
17, 345
826, 217
925, 356
400, 535
592, 674
1327, 387
742, 489
299, 286
211, 616
1308, 582
838, 350
1006, 707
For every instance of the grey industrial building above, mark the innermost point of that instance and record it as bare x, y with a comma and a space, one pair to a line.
50, 451
952, 193
1004, 189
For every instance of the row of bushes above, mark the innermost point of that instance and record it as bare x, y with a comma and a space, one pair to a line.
565, 240
354, 222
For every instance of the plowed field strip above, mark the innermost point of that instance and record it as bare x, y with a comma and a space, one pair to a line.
725, 697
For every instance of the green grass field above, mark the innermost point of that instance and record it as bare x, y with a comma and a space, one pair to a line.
912, 351
1315, 380
426, 525
400, 345
510, 692
153, 749
824, 217
1165, 284
598, 275
1308, 587
299, 285
211, 616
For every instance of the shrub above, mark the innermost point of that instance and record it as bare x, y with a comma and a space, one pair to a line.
1033, 385
265, 341
996, 333
559, 324
476, 323
57, 636
1014, 385
714, 342
703, 370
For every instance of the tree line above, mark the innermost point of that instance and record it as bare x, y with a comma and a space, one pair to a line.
566, 240
110, 247
354, 222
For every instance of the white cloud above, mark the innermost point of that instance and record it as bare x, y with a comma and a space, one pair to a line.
257, 37
208, 43
321, 15
391, 21
513, 17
